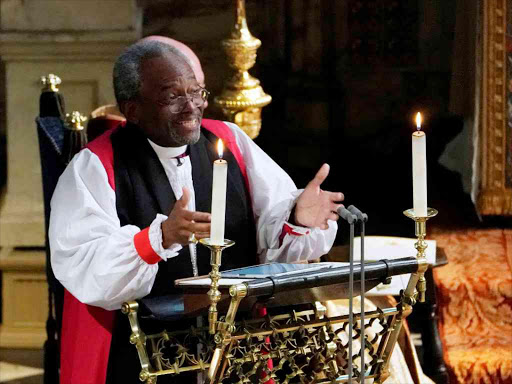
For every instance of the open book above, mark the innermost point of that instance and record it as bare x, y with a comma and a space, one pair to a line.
240, 275
376, 248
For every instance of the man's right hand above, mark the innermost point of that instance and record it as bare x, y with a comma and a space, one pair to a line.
182, 223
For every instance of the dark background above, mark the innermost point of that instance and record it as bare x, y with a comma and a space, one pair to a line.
347, 78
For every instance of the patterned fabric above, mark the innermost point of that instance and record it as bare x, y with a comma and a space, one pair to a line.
475, 305
53, 128
508, 148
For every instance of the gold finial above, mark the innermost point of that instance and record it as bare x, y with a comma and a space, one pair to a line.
243, 98
50, 82
74, 121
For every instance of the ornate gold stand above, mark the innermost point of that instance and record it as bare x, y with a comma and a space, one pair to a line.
243, 97
416, 287
305, 346
214, 293
417, 282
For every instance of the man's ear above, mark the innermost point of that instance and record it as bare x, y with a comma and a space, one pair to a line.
131, 110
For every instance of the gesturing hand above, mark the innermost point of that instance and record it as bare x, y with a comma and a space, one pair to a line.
181, 223
315, 206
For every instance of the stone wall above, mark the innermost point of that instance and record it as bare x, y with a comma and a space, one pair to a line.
78, 40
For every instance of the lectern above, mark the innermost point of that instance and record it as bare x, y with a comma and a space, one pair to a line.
295, 342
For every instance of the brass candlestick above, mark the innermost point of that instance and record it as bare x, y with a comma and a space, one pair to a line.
214, 293
421, 246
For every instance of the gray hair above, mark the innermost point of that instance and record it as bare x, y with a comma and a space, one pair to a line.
127, 78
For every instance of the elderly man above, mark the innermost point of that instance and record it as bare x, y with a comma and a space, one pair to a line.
126, 207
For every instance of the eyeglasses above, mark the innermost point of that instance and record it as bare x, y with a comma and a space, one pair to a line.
176, 104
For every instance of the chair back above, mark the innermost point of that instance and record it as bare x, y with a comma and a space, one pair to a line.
58, 143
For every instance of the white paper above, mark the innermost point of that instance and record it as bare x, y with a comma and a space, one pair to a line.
223, 282
388, 247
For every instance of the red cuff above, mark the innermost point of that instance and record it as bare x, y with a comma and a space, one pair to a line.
287, 230
144, 248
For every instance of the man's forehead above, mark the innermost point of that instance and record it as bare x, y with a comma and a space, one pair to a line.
169, 70
181, 81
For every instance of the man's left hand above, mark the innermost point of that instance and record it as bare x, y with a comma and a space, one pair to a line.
315, 207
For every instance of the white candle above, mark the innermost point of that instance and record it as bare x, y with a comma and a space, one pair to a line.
220, 178
419, 170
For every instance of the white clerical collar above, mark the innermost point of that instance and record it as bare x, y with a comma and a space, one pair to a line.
168, 152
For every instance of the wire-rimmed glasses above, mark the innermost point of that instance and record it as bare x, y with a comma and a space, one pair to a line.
176, 104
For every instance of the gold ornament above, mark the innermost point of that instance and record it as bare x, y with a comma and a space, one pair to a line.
50, 82
243, 97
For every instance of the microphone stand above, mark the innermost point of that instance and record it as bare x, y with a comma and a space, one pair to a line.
350, 218
363, 218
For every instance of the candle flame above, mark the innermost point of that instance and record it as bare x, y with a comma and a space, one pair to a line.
220, 148
418, 121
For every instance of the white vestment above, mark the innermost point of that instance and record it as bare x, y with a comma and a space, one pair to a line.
95, 258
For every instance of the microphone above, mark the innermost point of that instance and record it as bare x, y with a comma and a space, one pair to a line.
360, 215
350, 218
346, 215
363, 218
